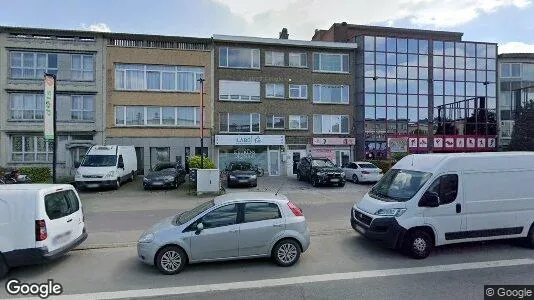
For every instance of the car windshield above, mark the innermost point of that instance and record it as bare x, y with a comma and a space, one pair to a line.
240, 167
158, 168
367, 166
322, 163
399, 185
99, 161
190, 214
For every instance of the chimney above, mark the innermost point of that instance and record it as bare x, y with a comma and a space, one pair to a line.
283, 35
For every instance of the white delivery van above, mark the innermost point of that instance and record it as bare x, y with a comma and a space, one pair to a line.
430, 200
106, 166
38, 222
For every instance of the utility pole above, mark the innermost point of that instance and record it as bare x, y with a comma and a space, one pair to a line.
201, 80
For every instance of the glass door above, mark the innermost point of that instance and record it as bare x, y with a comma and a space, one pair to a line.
274, 163
342, 157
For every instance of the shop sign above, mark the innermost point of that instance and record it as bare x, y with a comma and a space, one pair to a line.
451, 143
250, 140
398, 145
324, 153
334, 141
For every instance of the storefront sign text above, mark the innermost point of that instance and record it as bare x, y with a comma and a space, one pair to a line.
334, 141
250, 140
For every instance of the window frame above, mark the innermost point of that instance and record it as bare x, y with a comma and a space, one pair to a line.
250, 123
36, 97
273, 54
301, 55
274, 96
244, 219
241, 98
34, 66
321, 86
272, 118
252, 57
440, 187
331, 117
201, 219
82, 65
82, 111
341, 55
122, 68
196, 116
289, 117
48, 152
299, 87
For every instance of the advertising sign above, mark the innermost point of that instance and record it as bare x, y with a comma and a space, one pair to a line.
250, 140
334, 141
398, 145
49, 92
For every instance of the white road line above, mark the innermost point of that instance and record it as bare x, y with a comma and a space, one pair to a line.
290, 281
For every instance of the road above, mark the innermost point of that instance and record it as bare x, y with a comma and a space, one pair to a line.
340, 264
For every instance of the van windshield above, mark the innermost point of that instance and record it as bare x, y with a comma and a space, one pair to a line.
99, 161
399, 185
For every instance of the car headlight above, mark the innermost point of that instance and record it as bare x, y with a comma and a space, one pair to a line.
146, 179
168, 178
78, 174
253, 176
321, 173
110, 174
390, 212
146, 238
342, 174
232, 177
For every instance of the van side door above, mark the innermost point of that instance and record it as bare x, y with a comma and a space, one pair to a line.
447, 219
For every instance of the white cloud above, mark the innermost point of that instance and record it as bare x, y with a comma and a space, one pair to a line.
100, 27
266, 18
516, 47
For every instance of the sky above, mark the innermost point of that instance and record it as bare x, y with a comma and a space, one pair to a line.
507, 22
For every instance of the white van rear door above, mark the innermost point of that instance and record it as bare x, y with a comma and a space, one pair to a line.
63, 217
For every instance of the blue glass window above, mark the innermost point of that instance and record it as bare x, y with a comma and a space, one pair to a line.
449, 48
438, 74
380, 44
402, 45
423, 47
412, 46
369, 57
391, 44
470, 50
438, 48
423, 73
423, 87
369, 43
380, 58
438, 61
380, 99
369, 99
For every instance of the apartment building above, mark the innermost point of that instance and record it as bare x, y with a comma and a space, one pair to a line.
153, 96
277, 100
76, 57
430, 89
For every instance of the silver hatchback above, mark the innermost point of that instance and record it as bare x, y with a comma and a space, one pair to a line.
233, 226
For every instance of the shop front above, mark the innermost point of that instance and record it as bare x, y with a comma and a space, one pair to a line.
262, 151
338, 150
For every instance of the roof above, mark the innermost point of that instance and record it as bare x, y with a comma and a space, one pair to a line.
248, 196
397, 30
33, 187
283, 42
517, 55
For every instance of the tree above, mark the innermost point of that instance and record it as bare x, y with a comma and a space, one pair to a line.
523, 133
481, 122
194, 162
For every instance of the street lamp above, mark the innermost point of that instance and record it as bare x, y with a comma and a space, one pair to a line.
201, 81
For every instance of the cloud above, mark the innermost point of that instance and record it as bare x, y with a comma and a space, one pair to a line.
516, 47
100, 27
266, 18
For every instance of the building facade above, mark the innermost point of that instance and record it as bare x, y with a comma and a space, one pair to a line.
76, 58
516, 85
420, 91
153, 96
277, 100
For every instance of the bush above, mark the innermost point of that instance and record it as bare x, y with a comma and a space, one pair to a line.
194, 162
37, 174
399, 156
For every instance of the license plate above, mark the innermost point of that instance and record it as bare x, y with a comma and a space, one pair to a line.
63, 238
360, 229
334, 180
92, 185
157, 183
243, 181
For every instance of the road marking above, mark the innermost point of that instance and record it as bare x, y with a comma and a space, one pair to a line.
290, 281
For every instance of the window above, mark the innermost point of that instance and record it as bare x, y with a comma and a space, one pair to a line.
157, 116
298, 91
82, 67
299, 60
32, 65
239, 122
239, 58
30, 149
27, 106
298, 122
261, 211
275, 122
134, 77
446, 187
61, 204
510, 70
222, 216
159, 155
330, 124
327, 62
239, 90
82, 107
323, 93
275, 90
274, 58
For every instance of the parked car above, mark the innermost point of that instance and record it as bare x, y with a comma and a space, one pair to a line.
38, 223
241, 174
320, 171
232, 226
360, 171
164, 175
106, 166
429, 200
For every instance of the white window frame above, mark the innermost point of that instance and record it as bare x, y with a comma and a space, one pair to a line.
227, 115
274, 85
270, 58
121, 70
82, 72
317, 96
300, 56
12, 108
48, 150
341, 55
34, 67
273, 118
299, 87
290, 117
196, 116
329, 118
239, 97
254, 55
82, 110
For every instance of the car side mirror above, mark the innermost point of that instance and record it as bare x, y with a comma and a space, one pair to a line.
76, 164
120, 165
429, 199
200, 227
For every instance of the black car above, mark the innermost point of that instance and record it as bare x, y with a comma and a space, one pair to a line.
241, 174
164, 175
320, 171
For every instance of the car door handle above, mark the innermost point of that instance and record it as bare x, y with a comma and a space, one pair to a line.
458, 208
234, 231
278, 225
69, 220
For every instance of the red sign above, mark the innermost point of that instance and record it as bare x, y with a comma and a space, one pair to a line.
451, 143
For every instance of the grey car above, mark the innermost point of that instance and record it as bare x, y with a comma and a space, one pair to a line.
232, 226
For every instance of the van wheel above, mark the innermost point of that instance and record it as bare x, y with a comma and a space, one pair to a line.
117, 184
286, 252
418, 244
3, 268
530, 237
171, 260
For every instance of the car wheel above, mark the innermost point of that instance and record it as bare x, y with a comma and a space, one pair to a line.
530, 237
3, 268
146, 187
342, 184
314, 182
286, 252
132, 176
418, 244
171, 260
355, 178
117, 184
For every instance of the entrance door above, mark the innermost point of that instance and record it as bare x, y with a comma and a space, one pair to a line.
342, 157
294, 157
274, 163
140, 154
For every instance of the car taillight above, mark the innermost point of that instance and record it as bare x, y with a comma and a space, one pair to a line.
40, 230
365, 172
295, 209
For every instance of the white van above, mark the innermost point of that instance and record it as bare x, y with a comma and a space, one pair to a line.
38, 222
106, 166
436, 199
